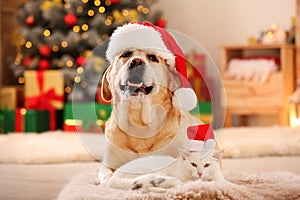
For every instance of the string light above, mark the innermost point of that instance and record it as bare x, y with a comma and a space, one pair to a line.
79, 9
80, 70
19, 56
85, 27
85, 1
97, 2
101, 9
107, 2
17, 61
76, 29
21, 80
47, 33
68, 89
28, 44
69, 63
64, 44
84, 84
55, 48
103, 113
107, 22
60, 64
125, 12
84, 35
91, 13
145, 10
140, 8
77, 79
67, 6
23, 111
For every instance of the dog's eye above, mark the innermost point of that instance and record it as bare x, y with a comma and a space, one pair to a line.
206, 165
126, 54
153, 58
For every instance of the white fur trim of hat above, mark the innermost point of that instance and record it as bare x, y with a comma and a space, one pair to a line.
137, 36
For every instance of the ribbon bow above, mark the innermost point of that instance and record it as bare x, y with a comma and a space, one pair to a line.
43, 100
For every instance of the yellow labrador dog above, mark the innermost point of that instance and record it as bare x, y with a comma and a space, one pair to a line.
140, 83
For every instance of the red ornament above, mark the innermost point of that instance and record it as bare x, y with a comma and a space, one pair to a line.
161, 23
30, 21
80, 60
26, 61
44, 64
115, 1
45, 50
70, 19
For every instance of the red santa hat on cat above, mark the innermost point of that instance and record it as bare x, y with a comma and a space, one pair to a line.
201, 137
147, 36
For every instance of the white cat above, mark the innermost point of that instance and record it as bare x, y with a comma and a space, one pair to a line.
159, 173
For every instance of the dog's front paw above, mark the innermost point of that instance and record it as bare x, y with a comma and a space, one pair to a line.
103, 178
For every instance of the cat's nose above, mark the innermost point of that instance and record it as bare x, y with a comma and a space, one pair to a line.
199, 174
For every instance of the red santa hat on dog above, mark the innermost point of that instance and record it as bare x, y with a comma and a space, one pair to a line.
147, 36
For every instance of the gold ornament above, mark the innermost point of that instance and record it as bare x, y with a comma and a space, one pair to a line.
87, 53
49, 4
125, 16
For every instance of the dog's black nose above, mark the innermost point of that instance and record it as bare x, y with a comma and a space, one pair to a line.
135, 63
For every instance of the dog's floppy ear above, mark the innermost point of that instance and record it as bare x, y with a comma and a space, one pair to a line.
105, 91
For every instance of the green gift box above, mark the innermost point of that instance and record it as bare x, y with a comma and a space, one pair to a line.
23, 120
2, 121
78, 116
202, 108
203, 111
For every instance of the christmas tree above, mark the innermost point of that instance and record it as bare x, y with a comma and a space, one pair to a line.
60, 34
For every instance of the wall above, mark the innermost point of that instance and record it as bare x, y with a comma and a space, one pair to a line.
7, 27
213, 23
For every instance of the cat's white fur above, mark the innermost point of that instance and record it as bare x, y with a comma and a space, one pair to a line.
158, 173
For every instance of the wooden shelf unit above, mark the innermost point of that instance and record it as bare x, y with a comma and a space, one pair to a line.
247, 97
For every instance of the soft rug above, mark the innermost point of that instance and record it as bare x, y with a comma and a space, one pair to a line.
246, 142
267, 186
50, 147
59, 146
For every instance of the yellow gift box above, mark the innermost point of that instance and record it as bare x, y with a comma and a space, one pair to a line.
46, 83
11, 97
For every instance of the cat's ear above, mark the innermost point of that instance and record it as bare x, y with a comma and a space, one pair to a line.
184, 154
218, 154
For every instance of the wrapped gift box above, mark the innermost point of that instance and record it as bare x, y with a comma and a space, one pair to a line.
44, 90
86, 117
11, 97
203, 111
47, 85
24, 120
2, 130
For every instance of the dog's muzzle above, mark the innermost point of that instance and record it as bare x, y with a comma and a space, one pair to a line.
134, 83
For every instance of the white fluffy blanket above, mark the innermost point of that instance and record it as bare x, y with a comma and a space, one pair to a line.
55, 147
267, 186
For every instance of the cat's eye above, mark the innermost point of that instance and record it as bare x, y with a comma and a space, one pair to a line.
153, 58
194, 164
206, 165
126, 54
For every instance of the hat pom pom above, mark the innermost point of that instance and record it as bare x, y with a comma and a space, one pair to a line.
184, 99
